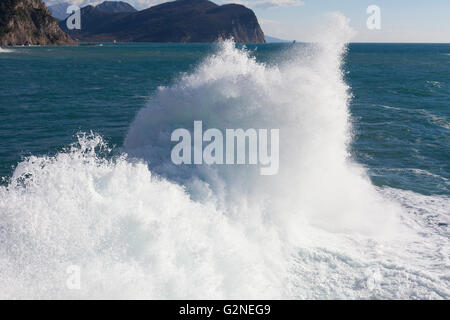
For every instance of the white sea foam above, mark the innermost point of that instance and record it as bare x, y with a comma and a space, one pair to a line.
307, 99
5, 50
434, 119
318, 229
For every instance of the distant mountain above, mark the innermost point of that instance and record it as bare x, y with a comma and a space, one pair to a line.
274, 40
176, 21
59, 11
29, 22
115, 7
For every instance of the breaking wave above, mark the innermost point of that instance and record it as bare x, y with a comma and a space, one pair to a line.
5, 50
140, 227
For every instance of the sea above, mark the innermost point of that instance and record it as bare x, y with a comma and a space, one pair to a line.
360, 207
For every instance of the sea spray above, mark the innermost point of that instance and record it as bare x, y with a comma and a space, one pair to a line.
306, 98
131, 234
318, 229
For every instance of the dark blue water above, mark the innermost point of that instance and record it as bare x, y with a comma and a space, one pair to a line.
400, 109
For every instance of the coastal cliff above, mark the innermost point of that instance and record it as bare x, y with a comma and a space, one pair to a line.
29, 22
176, 21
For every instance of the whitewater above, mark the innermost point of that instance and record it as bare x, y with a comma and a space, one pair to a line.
5, 50
139, 226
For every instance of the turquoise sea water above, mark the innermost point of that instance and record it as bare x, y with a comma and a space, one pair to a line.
400, 104
359, 209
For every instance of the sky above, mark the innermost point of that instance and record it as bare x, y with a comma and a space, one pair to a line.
400, 20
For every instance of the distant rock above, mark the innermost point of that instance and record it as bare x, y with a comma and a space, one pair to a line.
115, 7
176, 21
59, 10
29, 22
275, 40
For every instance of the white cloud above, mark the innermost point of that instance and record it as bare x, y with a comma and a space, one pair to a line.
138, 4
264, 4
143, 4
268, 21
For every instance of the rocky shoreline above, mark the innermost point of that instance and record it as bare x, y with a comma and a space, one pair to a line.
29, 22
